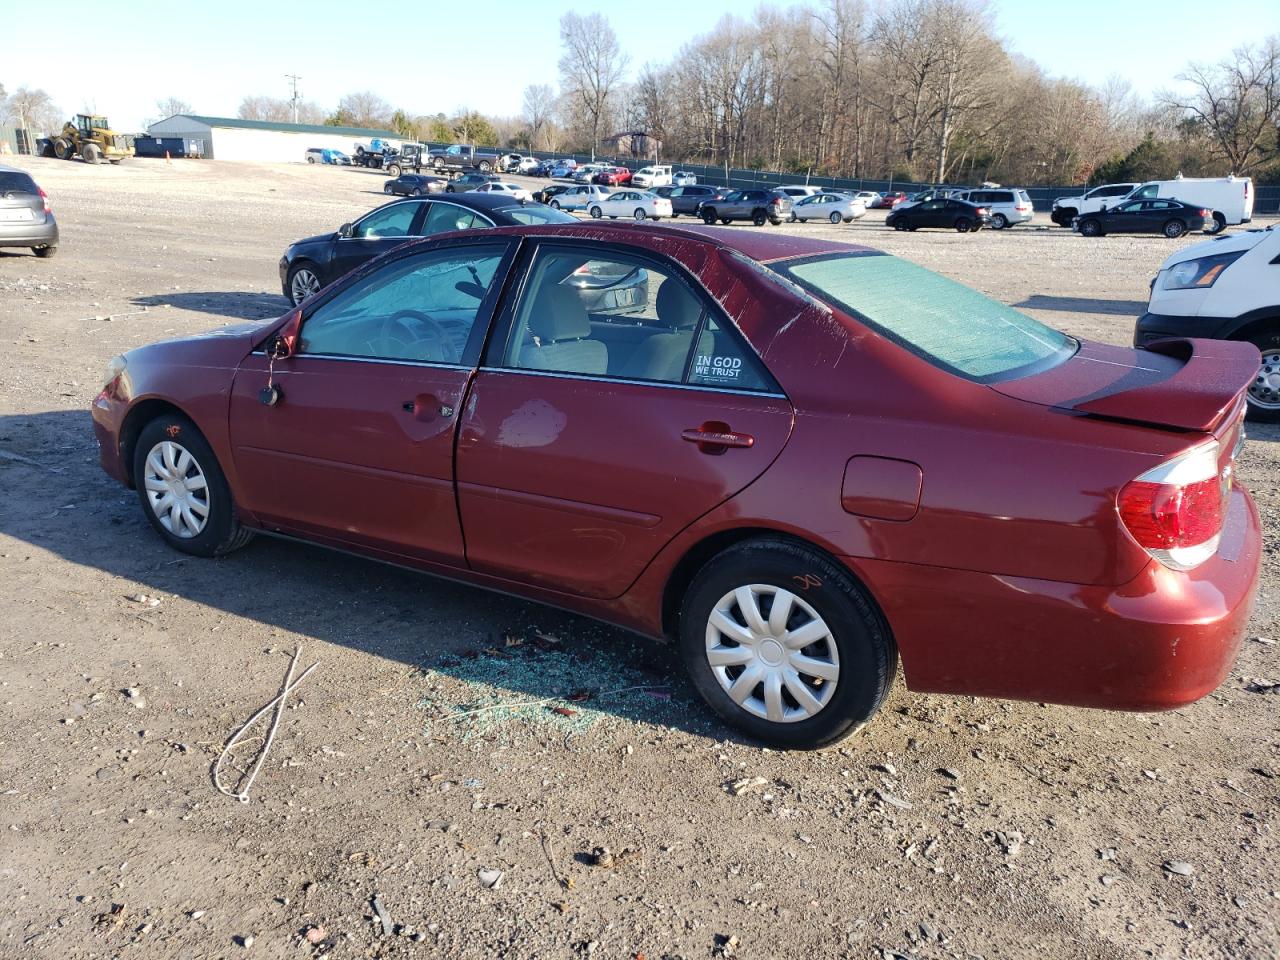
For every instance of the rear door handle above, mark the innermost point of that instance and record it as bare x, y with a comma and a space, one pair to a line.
717, 437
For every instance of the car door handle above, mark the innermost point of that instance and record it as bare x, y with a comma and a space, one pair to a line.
422, 408
716, 437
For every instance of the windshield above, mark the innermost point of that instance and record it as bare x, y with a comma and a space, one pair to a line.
536, 214
946, 323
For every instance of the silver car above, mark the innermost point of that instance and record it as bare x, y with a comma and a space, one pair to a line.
26, 219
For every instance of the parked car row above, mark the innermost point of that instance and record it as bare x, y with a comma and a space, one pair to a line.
1171, 207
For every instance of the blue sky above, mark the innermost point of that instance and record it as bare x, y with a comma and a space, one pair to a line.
211, 55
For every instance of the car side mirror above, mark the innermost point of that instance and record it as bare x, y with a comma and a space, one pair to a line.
284, 342
344, 231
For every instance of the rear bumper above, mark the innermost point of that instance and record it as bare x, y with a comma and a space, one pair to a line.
30, 234
1163, 640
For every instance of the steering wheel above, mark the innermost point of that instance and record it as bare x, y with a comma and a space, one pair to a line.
412, 335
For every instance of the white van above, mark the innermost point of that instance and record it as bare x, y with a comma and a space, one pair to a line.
1230, 198
651, 177
1224, 289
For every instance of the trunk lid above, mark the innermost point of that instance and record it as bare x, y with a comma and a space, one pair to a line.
1180, 384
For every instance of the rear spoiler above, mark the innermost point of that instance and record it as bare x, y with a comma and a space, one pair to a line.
1207, 387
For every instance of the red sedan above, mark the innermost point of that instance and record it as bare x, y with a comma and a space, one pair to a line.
758, 445
888, 201
613, 177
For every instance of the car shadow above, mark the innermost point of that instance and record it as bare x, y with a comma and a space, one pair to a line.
232, 303
503, 652
1123, 308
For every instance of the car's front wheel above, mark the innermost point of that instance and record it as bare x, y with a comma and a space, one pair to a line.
596, 213
183, 490
709, 217
785, 645
303, 281
1090, 228
554, 204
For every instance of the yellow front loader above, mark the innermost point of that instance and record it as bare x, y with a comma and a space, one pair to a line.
92, 139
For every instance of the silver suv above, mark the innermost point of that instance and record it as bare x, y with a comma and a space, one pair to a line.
26, 219
1008, 207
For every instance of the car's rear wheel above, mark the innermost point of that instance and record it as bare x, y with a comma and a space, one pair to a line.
998, 222
183, 490
785, 645
596, 213
726, 220
1174, 229
1263, 399
1090, 228
759, 217
964, 225
835, 218
639, 214
303, 282
418, 191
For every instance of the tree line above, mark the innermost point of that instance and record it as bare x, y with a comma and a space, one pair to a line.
910, 90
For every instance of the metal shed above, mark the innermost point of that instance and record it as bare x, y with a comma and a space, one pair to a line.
265, 141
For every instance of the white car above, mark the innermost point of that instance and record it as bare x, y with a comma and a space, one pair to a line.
655, 176
798, 193
868, 197
835, 207
580, 197
513, 190
638, 204
527, 164
1007, 207
683, 178
1224, 289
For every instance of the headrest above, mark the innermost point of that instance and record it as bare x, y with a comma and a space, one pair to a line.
677, 307
558, 314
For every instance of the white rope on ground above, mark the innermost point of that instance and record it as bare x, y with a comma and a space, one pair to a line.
278, 702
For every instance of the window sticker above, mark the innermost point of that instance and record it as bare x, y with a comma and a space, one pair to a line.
718, 369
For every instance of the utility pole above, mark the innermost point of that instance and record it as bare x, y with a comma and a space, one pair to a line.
293, 100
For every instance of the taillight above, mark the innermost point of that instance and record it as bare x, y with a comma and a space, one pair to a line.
982, 211
45, 197
1204, 213
776, 201
1175, 511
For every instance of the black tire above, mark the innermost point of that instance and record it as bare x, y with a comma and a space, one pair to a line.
639, 214
1268, 345
835, 218
709, 217
222, 531
867, 655
758, 217
292, 274
386, 188
45, 252
1090, 228
484, 167
1174, 229
596, 213
418, 192
998, 221
311, 159
91, 153
726, 220
393, 170
963, 225
1216, 225
448, 188
776, 221
62, 149
554, 204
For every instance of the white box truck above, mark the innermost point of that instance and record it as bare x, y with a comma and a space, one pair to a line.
1229, 198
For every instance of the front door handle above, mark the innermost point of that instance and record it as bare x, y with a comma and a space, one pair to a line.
716, 437
424, 408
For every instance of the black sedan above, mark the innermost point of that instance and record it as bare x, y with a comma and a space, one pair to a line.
549, 192
1172, 218
958, 215
414, 185
469, 181
311, 264
688, 199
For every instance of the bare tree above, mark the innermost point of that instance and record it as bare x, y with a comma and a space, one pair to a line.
171, 107
34, 111
591, 66
539, 102
1236, 102
365, 109
265, 108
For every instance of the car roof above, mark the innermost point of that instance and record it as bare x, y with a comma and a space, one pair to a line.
760, 246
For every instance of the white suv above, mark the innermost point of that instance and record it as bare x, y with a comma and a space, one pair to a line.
1066, 209
1007, 207
580, 197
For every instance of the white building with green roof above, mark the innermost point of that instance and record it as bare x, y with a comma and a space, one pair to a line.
265, 141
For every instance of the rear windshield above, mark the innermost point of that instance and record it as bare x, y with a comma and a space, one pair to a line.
946, 323
15, 182
535, 215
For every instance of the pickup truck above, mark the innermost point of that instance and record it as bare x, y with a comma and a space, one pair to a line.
758, 206
1066, 209
462, 157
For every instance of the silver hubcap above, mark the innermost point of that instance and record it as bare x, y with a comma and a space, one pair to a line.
1264, 392
772, 653
305, 283
176, 489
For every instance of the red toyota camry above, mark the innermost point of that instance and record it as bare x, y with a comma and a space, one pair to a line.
801, 459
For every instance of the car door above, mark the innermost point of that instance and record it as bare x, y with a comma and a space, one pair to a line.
575, 466
358, 449
375, 233
1126, 218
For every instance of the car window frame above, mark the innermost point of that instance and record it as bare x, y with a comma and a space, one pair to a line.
486, 314
516, 288
414, 224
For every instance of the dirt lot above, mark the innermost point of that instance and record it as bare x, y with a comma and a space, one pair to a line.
949, 828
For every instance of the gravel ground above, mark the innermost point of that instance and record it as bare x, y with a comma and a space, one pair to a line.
412, 765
